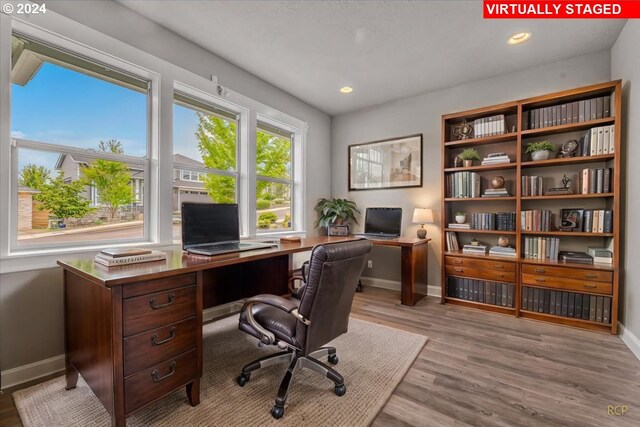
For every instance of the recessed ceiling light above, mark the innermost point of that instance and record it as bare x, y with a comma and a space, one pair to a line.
519, 38
346, 89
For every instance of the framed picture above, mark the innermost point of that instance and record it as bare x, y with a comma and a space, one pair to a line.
391, 163
338, 230
571, 219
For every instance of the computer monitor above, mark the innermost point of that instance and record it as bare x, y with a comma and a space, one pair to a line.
209, 223
383, 221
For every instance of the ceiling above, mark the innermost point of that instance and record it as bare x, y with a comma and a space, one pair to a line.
385, 50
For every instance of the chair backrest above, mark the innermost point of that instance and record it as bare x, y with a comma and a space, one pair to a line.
334, 272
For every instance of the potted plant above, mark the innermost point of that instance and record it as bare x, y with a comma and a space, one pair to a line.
540, 150
468, 155
335, 211
461, 217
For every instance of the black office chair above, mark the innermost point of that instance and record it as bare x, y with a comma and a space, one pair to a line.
303, 326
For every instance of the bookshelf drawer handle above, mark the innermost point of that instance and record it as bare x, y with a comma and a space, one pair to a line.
459, 270
172, 335
156, 378
498, 266
457, 261
591, 276
590, 286
156, 306
539, 270
500, 276
540, 280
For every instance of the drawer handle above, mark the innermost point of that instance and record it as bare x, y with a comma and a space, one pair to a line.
500, 275
591, 276
166, 304
458, 270
498, 266
540, 280
172, 335
156, 378
539, 270
457, 261
590, 286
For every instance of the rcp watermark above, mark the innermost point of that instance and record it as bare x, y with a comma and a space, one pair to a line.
24, 8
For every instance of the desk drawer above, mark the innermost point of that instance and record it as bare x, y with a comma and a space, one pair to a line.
570, 273
569, 284
157, 285
154, 346
478, 273
158, 309
150, 384
480, 263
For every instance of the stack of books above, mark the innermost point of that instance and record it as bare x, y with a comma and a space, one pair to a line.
572, 112
597, 141
532, 186
488, 126
465, 226
502, 251
575, 257
496, 192
601, 255
122, 256
474, 249
496, 159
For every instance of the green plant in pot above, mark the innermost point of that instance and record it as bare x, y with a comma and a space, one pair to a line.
468, 155
335, 211
540, 150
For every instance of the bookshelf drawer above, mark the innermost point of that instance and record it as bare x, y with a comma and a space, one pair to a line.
571, 273
565, 283
479, 273
479, 263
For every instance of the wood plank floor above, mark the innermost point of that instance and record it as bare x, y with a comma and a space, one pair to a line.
486, 369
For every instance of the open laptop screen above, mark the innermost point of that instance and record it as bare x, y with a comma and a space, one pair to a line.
383, 221
209, 223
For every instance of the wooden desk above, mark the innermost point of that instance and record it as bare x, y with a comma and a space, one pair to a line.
135, 332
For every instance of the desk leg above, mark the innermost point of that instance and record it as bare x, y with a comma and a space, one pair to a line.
71, 376
414, 268
193, 392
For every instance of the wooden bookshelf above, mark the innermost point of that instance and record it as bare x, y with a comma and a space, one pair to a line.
478, 267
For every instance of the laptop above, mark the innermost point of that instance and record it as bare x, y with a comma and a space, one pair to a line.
382, 223
214, 229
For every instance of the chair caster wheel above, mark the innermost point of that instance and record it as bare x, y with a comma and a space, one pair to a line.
333, 359
340, 390
243, 379
277, 412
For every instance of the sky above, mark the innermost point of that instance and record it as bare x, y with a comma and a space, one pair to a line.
66, 107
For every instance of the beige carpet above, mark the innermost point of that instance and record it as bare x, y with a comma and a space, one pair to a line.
373, 360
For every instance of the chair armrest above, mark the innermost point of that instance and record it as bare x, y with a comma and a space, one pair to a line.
274, 301
292, 279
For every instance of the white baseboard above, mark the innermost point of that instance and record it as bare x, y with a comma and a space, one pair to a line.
394, 285
630, 339
22, 374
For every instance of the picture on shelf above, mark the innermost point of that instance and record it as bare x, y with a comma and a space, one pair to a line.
571, 219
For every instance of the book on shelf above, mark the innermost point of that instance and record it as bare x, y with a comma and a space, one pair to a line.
124, 252
600, 255
536, 220
452, 241
575, 257
573, 305
483, 291
597, 221
489, 126
501, 221
496, 159
466, 226
463, 185
493, 192
474, 249
110, 261
568, 113
502, 251
541, 248
595, 181
531, 186
597, 141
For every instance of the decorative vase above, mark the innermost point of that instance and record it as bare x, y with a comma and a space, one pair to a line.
468, 163
503, 241
540, 155
460, 219
497, 182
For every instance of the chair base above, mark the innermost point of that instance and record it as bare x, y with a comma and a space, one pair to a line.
295, 361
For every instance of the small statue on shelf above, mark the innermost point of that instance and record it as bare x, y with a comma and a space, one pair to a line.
565, 189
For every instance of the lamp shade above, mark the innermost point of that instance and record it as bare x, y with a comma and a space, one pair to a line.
422, 216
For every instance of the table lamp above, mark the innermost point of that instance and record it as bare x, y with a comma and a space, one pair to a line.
422, 216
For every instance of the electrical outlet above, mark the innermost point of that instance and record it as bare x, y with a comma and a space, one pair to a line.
370, 264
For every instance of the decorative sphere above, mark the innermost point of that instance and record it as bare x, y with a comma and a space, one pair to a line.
497, 182
503, 241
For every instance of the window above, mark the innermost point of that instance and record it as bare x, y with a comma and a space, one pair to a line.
80, 132
274, 179
205, 155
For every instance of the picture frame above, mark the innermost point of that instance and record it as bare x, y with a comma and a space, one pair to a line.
338, 230
571, 219
388, 163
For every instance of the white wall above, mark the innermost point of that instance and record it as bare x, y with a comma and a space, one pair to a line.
31, 322
625, 65
422, 114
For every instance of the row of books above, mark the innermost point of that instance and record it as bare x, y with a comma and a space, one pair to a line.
597, 221
572, 112
536, 220
123, 256
501, 221
488, 126
531, 186
595, 181
598, 141
452, 241
463, 184
567, 304
480, 291
496, 159
542, 248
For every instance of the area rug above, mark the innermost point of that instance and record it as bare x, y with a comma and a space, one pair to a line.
373, 360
